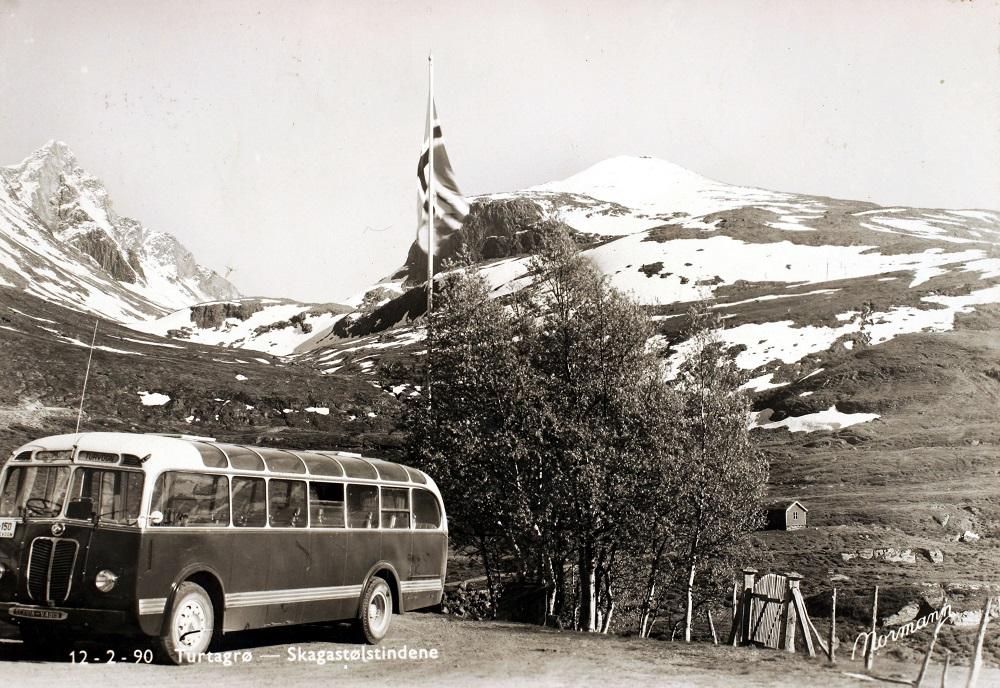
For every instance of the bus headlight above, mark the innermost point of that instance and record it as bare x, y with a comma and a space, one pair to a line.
3, 570
105, 581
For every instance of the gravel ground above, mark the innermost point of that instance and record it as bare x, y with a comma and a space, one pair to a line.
468, 653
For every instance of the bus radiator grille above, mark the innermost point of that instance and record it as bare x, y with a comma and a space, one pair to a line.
50, 568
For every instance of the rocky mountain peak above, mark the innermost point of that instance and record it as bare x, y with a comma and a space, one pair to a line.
53, 201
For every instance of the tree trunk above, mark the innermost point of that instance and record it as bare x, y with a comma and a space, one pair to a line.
690, 602
607, 618
645, 615
588, 591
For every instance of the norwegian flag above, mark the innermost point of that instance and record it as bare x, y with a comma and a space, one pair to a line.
450, 208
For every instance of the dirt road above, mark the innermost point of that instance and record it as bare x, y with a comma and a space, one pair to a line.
468, 653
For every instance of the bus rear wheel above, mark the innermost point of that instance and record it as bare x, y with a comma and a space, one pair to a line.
376, 611
188, 627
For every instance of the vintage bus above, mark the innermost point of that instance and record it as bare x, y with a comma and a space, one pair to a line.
181, 539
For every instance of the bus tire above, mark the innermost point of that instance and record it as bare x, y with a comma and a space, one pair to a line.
376, 611
188, 626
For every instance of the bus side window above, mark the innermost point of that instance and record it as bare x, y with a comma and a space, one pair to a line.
249, 502
395, 507
426, 514
286, 503
190, 499
326, 505
362, 506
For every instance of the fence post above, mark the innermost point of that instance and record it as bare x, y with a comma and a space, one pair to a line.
741, 620
789, 610
977, 655
870, 654
930, 650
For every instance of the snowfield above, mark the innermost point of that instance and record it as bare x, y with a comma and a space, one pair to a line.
236, 333
830, 419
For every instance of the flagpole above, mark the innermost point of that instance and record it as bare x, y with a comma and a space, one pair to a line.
431, 198
431, 202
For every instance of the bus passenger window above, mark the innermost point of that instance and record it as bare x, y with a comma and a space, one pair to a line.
395, 507
326, 505
249, 503
426, 514
362, 506
287, 504
192, 499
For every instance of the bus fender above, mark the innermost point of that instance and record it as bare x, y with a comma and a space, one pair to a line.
391, 577
204, 575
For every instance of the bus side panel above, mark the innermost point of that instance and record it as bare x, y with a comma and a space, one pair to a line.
329, 552
251, 562
430, 548
364, 549
291, 562
396, 545
166, 553
429, 552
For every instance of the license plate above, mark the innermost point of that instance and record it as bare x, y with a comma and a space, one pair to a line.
7, 528
32, 613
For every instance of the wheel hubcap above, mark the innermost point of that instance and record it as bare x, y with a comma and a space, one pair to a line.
192, 624
378, 612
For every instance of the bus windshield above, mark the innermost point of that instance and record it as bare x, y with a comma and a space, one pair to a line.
34, 491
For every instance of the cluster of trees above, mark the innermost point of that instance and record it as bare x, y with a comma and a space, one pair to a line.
567, 458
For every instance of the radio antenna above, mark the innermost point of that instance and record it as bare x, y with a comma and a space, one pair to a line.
86, 376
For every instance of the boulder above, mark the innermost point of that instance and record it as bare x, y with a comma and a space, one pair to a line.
967, 618
892, 554
968, 536
907, 613
935, 556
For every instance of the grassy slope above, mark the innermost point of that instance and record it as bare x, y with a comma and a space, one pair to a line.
40, 387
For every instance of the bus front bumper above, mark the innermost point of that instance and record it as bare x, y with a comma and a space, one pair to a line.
93, 620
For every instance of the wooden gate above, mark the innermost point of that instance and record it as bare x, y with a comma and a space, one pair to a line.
770, 611
769, 607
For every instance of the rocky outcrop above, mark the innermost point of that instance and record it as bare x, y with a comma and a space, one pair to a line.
887, 554
104, 251
214, 314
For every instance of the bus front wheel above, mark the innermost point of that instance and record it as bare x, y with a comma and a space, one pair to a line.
188, 627
376, 611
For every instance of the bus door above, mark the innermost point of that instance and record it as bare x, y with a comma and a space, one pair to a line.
328, 542
396, 535
252, 554
365, 540
291, 560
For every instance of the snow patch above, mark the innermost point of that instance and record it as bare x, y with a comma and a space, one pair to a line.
153, 398
830, 419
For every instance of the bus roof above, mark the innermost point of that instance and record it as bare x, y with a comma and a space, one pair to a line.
157, 453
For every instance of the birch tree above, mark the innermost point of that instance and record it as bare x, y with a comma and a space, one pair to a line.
720, 475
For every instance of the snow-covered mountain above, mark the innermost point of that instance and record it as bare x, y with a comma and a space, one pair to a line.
61, 240
790, 271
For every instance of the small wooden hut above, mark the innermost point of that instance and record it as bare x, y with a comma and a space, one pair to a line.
786, 516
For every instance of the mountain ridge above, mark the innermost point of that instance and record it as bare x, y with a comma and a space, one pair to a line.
61, 239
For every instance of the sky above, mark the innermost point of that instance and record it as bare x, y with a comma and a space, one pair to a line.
280, 138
